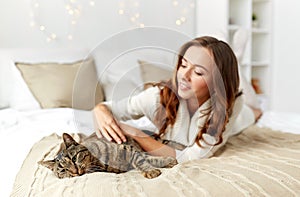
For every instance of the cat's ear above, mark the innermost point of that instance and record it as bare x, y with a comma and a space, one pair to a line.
49, 164
69, 140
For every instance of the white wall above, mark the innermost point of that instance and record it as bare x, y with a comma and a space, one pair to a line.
95, 24
286, 64
209, 22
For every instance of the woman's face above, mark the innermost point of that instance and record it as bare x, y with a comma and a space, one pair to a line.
194, 74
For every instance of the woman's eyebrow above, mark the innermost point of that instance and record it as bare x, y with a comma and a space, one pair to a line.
197, 65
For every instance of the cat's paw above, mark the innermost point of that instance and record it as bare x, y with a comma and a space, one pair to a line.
150, 174
171, 162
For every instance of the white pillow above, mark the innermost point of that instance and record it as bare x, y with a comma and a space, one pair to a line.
13, 90
121, 78
5, 79
120, 73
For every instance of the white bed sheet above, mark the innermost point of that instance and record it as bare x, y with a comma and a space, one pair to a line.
20, 130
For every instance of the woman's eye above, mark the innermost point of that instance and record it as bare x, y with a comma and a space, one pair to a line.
199, 73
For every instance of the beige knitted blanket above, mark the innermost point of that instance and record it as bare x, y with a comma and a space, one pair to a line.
258, 162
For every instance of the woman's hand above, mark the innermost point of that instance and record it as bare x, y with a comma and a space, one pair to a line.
147, 143
106, 125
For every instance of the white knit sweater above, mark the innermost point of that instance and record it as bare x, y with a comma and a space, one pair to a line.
185, 128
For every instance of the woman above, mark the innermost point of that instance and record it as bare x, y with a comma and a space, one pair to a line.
200, 107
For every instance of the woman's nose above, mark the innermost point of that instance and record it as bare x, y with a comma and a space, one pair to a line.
187, 74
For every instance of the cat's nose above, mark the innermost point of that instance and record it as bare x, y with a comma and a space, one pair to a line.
80, 171
73, 170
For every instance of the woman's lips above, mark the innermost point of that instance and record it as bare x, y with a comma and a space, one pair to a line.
184, 86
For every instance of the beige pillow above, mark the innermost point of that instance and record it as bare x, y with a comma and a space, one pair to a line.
151, 72
73, 85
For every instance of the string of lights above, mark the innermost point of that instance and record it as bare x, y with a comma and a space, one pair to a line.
131, 9
73, 11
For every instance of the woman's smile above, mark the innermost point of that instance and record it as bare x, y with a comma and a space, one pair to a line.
184, 86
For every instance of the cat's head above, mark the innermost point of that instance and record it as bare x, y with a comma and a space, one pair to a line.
73, 159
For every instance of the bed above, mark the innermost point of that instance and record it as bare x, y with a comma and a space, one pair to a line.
259, 162
263, 160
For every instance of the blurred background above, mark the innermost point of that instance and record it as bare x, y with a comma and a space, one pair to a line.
270, 51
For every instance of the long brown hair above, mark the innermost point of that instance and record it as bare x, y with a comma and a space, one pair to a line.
223, 90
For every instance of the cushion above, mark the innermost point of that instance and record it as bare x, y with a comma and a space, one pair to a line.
154, 72
55, 85
16, 93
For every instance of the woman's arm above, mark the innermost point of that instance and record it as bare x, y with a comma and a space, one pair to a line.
111, 129
147, 143
108, 114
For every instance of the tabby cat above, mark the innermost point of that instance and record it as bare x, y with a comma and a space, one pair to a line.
100, 155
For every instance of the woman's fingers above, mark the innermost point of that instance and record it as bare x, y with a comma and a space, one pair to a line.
119, 132
99, 134
114, 135
105, 134
113, 132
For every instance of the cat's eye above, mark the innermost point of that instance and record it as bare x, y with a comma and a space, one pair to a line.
74, 159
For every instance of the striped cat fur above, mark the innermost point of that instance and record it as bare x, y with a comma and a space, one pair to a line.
99, 155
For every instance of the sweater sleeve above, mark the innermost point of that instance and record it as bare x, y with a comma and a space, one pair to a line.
241, 118
137, 106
